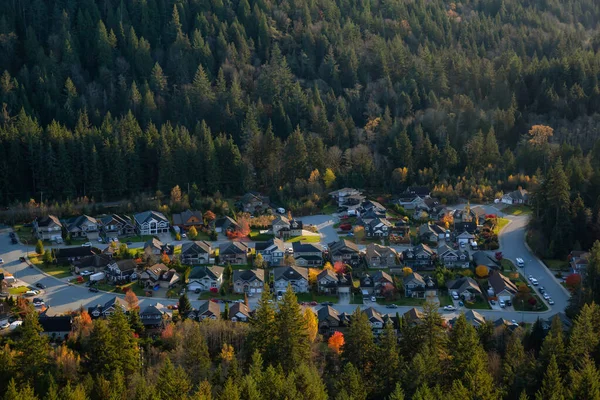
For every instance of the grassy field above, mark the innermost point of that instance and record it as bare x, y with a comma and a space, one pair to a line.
308, 239
507, 265
556, 265
18, 290
478, 305
525, 306
57, 271
517, 209
25, 235
329, 209
256, 236
502, 222
230, 296
445, 300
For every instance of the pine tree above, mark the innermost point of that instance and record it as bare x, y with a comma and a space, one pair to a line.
351, 384
172, 382
397, 394
387, 361
292, 341
34, 348
359, 348
100, 350
127, 356
195, 358
554, 345
552, 385
585, 381
184, 306
261, 337
584, 339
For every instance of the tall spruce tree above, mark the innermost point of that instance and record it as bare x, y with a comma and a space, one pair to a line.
292, 342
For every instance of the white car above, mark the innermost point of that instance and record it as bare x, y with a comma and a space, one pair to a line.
4, 325
373, 299
100, 240
86, 273
546, 296
520, 263
514, 322
531, 278
534, 282
449, 308
38, 303
455, 295
184, 235
87, 244
551, 302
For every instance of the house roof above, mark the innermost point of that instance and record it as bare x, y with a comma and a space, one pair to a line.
253, 196
500, 283
421, 191
125, 265
56, 324
373, 314
70, 252
225, 222
76, 222
304, 247
233, 248
154, 244
478, 211
196, 247
462, 284
280, 220
377, 250
474, 317
415, 277
327, 312
158, 269
421, 247
278, 243
380, 276
146, 216
48, 220
183, 217
469, 227
481, 258
372, 204
519, 194
107, 219
93, 261
290, 273
213, 272
116, 301
209, 307
344, 191
154, 309
249, 275
413, 315
240, 308
343, 246
327, 273
430, 228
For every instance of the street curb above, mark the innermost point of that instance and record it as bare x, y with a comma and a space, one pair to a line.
545, 266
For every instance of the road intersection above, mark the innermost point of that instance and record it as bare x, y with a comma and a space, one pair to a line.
60, 296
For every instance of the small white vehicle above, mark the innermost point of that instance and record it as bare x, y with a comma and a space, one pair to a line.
502, 304
87, 244
546, 296
281, 210
455, 295
520, 262
373, 299
534, 282
449, 308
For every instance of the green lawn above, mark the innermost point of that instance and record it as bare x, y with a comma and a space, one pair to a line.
256, 236
25, 235
200, 236
356, 299
478, 305
137, 238
540, 304
507, 265
556, 265
329, 209
319, 298
57, 271
501, 223
445, 300
517, 209
18, 290
308, 239
139, 291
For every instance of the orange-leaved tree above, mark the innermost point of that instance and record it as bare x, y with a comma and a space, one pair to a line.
481, 271
131, 299
336, 341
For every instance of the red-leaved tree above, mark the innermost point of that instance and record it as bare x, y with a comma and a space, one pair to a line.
336, 341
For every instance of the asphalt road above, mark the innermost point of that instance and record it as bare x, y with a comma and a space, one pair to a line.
61, 297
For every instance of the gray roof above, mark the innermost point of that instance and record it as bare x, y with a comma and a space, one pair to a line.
415, 277
181, 218
197, 247
500, 283
213, 272
233, 248
49, 220
303, 247
249, 275
481, 258
462, 284
290, 273
142, 217
344, 246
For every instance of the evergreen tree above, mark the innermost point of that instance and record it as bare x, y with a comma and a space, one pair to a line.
33, 348
172, 382
184, 306
292, 342
359, 348
127, 356
387, 361
552, 385
585, 381
262, 334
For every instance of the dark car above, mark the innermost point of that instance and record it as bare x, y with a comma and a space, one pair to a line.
40, 285
508, 303
12, 235
22, 259
93, 289
14, 241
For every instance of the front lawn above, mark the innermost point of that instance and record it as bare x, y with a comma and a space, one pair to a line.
500, 224
210, 295
445, 300
507, 265
329, 209
308, 239
478, 305
556, 265
137, 238
57, 271
524, 305
137, 289
256, 236
25, 235
356, 299
517, 209
18, 290
319, 298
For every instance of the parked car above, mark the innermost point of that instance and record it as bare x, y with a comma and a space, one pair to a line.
86, 273
93, 289
40, 285
37, 302
449, 308
184, 235
546, 296
461, 304
346, 227
508, 303
493, 302
502, 304
100, 240
12, 234
520, 262
14, 241
4, 325
4, 294
551, 302
514, 322
1, 261
373, 299
455, 295
22, 259
86, 244
391, 306
534, 282
541, 289
530, 277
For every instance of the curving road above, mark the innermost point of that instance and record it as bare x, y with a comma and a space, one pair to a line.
62, 297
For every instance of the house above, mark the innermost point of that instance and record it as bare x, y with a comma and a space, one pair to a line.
373, 207
188, 218
431, 233
466, 288
413, 316
293, 229
116, 225
565, 321
108, 308
329, 320
122, 270
467, 226
344, 251
93, 263
159, 275
482, 258
47, 228
254, 203
503, 288
272, 251
375, 318
202, 279
419, 257
239, 312
83, 226
208, 310
308, 254
478, 215
155, 316
235, 253
417, 286
519, 196
347, 197
69, 255
374, 226
452, 258
378, 256
376, 284
472, 317
197, 252
297, 277
248, 281
151, 223
225, 225
58, 327
410, 202
464, 238
578, 261
154, 247
280, 222
421, 191
430, 205
327, 281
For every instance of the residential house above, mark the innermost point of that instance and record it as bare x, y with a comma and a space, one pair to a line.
121, 271
374, 226
93, 263
431, 233
108, 308
472, 317
578, 261
410, 202
5, 313
58, 327
466, 288
565, 321
226, 225
83, 226
468, 226
327, 281
116, 225
519, 196
239, 312
185, 220
431, 206
154, 247
159, 275
373, 207
68, 255
279, 223
329, 320
345, 251
503, 288
197, 252
421, 191
254, 203
375, 318
47, 228
376, 284
413, 316
272, 251
155, 316
202, 279
452, 258
297, 277
308, 254
501, 324
151, 223
464, 238
294, 229
208, 310
482, 258
378, 256
347, 197
235, 253
419, 257
249, 281
418, 286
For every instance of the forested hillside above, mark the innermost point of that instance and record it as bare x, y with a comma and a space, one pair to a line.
112, 97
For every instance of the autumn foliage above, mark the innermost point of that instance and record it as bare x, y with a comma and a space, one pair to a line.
481, 271
336, 341
131, 299
573, 280
339, 267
